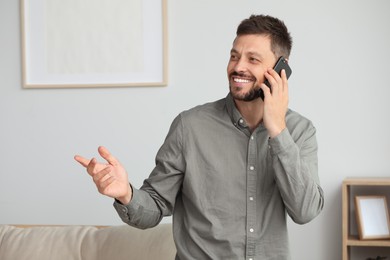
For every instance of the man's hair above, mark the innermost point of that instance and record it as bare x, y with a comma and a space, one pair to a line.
281, 41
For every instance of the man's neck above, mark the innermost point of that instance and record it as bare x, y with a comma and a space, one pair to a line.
252, 112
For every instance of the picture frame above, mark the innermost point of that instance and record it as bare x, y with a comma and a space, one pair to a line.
372, 217
94, 43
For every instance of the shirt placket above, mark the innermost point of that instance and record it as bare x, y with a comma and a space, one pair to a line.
251, 198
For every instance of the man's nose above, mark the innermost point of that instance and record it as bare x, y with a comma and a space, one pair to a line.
240, 66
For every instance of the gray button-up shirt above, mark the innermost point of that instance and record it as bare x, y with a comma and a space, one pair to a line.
228, 188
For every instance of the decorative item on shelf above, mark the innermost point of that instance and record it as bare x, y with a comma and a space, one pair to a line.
377, 258
372, 217
351, 187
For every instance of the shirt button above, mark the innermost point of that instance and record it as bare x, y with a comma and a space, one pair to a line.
250, 259
251, 168
252, 137
251, 198
241, 121
251, 230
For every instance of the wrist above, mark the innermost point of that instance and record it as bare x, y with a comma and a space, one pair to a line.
126, 199
275, 132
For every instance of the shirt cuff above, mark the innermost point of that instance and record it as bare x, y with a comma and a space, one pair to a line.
125, 212
281, 142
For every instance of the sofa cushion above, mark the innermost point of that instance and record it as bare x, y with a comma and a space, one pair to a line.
86, 243
125, 242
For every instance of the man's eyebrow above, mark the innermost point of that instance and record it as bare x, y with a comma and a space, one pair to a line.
250, 53
256, 54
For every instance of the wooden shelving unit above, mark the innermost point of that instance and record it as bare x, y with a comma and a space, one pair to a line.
349, 240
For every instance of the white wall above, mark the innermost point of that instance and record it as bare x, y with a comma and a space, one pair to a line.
340, 61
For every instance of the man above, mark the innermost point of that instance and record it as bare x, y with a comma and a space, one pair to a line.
229, 171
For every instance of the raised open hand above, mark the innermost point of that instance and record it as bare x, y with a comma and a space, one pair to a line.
110, 178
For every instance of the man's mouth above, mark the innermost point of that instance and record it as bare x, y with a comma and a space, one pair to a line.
241, 80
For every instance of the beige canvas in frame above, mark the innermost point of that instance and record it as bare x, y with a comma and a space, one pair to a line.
372, 217
94, 43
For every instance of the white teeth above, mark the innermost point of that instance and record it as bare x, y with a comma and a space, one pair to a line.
241, 80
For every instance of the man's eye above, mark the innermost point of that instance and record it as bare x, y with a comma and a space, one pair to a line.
233, 57
253, 59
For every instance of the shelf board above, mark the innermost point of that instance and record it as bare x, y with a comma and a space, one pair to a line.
355, 241
369, 181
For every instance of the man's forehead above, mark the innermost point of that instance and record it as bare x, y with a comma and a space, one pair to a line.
254, 44
262, 37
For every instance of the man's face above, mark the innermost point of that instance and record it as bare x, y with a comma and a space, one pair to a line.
250, 57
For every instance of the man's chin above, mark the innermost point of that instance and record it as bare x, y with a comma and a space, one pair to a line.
246, 97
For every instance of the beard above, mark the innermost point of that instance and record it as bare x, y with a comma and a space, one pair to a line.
251, 95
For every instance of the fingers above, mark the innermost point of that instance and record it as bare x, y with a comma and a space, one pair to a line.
102, 175
107, 156
92, 167
278, 82
103, 179
283, 75
103, 152
268, 90
83, 161
284, 81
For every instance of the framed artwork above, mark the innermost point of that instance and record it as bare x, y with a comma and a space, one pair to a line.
372, 217
94, 43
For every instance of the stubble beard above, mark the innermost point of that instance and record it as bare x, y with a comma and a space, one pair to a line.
251, 95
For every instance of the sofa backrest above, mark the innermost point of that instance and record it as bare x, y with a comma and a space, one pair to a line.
86, 243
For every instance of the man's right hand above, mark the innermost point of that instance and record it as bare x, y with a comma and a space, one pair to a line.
110, 178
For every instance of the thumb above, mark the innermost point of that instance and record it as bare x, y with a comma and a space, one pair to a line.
107, 156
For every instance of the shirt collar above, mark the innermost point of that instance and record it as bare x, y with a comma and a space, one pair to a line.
233, 112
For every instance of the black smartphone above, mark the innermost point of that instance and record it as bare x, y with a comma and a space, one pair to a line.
279, 66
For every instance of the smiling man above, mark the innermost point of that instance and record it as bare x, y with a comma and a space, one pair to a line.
229, 171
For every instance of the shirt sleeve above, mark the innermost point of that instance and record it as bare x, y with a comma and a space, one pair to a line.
295, 162
156, 198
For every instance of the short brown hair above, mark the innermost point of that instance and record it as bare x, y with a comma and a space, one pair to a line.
281, 41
